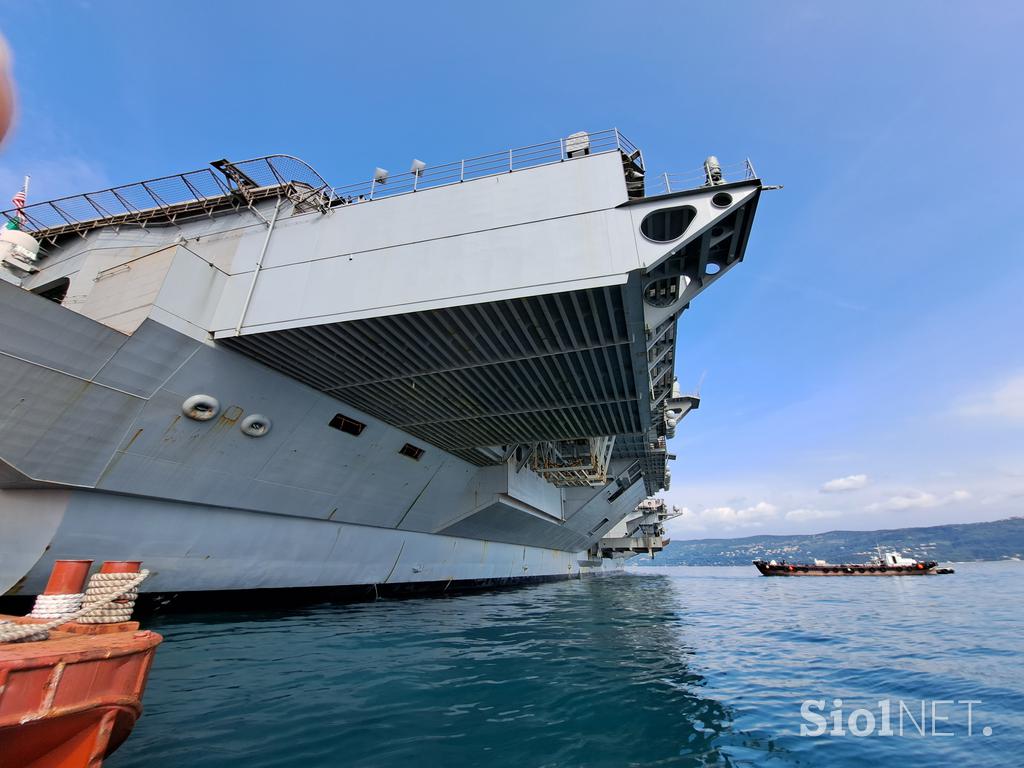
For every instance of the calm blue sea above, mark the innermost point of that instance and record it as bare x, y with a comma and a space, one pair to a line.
655, 667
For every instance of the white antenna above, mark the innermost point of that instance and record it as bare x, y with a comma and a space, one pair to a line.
700, 382
416, 170
380, 176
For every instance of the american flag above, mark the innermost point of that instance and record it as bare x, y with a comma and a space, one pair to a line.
19, 200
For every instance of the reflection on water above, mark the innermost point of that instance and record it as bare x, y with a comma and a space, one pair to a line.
668, 667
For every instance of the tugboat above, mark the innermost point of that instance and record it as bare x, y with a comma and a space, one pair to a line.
72, 672
889, 564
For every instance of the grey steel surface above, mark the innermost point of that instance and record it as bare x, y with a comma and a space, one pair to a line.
194, 547
71, 431
474, 322
36, 331
231, 185
143, 365
548, 367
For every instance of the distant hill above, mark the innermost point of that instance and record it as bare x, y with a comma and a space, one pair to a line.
998, 540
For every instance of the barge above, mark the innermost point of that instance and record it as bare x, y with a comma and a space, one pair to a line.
891, 564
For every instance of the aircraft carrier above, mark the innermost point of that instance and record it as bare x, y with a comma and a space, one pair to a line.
251, 379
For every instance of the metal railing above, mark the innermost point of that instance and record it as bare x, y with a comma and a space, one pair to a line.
236, 184
666, 183
124, 203
493, 164
165, 199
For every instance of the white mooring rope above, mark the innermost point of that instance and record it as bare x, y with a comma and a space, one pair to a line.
122, 587
53, 606
104, 589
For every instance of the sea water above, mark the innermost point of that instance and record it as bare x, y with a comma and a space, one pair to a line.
655, 667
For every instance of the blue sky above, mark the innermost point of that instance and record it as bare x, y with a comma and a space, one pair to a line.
863, 368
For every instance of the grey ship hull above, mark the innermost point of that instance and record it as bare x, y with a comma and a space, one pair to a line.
188, 498
466, 384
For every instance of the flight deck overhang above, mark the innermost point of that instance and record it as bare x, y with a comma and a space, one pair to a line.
519, 307
587, 354
548, 229
476, 377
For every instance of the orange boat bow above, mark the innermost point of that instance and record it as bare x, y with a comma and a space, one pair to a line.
69, 701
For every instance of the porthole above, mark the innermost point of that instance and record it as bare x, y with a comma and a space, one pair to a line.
667, 224
712, 268
201, 407
721, 200
255, 425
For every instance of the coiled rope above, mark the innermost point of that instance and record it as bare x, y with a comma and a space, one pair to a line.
98, 607
124, 589
54, 606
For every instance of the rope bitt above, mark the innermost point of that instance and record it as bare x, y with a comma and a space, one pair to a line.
105, 589
102, 586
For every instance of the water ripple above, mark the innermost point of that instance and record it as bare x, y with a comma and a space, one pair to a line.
665, 667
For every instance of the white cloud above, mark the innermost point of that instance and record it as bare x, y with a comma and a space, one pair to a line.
730, 517
801, 515
1002, 498
1003, 402
848, 483
917, 500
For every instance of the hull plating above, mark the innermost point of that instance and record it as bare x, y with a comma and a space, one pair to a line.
197, 548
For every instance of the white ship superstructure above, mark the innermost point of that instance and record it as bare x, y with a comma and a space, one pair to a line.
252, 379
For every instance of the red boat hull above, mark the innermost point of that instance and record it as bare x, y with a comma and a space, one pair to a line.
71, 700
